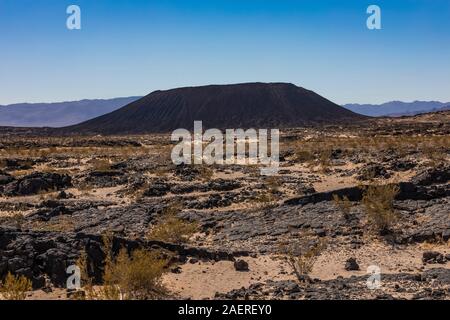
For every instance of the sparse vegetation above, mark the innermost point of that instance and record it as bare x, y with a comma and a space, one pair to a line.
134, 276
378, 201
239, 208
318, 148
15, 287
304, 155
59, 224
273, 184
15, 220
304, 263
343, 204
324, 158
205, 173
100, 165
171, 228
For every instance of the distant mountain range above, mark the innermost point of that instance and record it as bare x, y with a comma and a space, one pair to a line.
61, 114
58, 114
398, 108
243, 105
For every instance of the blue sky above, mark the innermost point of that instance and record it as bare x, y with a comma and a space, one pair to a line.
134, 47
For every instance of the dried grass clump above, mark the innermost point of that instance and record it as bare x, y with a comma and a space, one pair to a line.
304, 263
100, 165
378, 201
134, 276
343, 204
173, 229
16, 220
15, 287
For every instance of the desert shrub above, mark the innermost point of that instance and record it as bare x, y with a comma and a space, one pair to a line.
343, 204
85, 188
172, 229
135, 276
16, 220
272, 184
324, 157
58, 224
15, 287
378, 201
205, 173
266, 199
304, 263
161, 171
100, 165
304, 156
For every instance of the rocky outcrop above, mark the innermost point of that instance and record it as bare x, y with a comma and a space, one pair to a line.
37, 182
41, 255
430, 285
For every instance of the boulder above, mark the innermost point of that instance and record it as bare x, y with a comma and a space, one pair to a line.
38, 182
351, 265
241, 265
433, 257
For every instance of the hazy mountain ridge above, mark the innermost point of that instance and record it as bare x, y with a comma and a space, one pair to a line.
397, 108
58, 114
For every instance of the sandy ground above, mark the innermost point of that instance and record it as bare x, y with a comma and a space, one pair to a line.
202, 280
330, 263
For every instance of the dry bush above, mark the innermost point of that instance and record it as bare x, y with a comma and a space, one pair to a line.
21, 173
137, 276
378, 201
435, 145
304, 156
343, 204
16, 220
205, 173
272, 184
15, 287
59, 224
172, 229
436, 156
267, 199
324, 158
303, 264
161, 171
85, 188
100, 165
127, 277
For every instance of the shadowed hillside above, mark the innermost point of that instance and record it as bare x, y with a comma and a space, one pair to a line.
259, 105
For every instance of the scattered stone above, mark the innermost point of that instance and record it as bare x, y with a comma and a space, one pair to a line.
372, 171
433, 257
157, 189
351, 265
176, 269
241, 265
193, 260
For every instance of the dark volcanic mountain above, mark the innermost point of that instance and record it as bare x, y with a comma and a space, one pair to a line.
249, 105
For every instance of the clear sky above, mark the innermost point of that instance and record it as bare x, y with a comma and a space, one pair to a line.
134, 47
